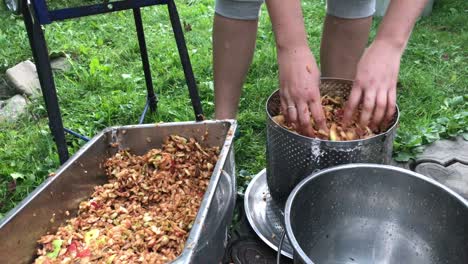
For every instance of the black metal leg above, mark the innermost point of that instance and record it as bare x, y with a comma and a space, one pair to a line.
185, 59
152, 98
44, 71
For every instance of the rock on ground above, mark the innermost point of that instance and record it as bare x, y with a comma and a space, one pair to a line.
13, 108
445, 151
454, 176
6, 91
24, 78
60, 64
447, 162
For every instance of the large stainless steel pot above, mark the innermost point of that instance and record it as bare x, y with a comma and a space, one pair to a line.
291, 157
44, 209
363, 213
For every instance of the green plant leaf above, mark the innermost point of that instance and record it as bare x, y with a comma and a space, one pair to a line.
465, 136
430, 134
94, 66
442, 120
437, 127
418, 149
404, 156
17, 175
126, 75
453, 102
414, 141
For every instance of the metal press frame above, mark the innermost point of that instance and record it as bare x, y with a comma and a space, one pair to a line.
36, 15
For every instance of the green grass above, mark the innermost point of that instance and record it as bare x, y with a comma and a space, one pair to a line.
106, 86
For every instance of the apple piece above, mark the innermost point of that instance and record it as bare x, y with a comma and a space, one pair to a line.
322, 132
279, 119
343, 135
57, 245
333, 134
351, 134
336, 100
91, 236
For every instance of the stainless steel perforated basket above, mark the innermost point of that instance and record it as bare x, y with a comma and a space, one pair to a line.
292, 157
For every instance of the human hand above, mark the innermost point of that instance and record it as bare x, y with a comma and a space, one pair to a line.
299, 80
375, 86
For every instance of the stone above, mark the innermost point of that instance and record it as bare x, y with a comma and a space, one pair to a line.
23, 77
6, 91
13, 108
454, 176
60, 64
445, 151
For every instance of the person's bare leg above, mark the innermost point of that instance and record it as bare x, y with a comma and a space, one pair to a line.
233, 48
343, 43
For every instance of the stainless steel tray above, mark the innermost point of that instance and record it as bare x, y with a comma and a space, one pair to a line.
44, 209
264, 215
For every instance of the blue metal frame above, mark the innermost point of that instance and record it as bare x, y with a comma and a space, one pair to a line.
76, 134
42, 13
36, 14
46, 16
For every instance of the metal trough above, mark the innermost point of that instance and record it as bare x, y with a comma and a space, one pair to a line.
44, 209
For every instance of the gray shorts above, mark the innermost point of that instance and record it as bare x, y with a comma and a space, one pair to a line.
250, 9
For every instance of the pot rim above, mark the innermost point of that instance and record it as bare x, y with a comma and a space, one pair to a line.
347, 142
287, 212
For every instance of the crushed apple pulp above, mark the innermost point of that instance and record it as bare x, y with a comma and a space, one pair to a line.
143, 214
333, 108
